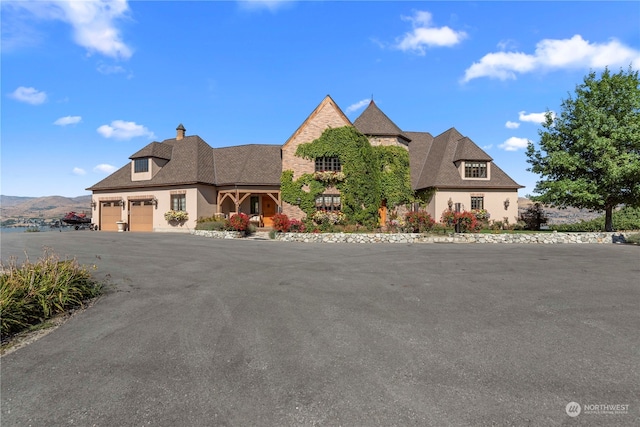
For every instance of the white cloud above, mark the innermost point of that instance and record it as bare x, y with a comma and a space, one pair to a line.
487, 147
512, 125
358, 105
68, 120
514, 144
110, 69
119, 129
79, 171
104, 168
271, 5
553, 54
425, 35
94, 22
29, 95
533, 117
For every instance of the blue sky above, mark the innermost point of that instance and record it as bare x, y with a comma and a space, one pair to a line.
86, 84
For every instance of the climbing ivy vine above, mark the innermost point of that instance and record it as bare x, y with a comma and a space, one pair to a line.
371, 174
395, 177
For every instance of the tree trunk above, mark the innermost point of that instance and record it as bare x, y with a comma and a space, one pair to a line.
608, 218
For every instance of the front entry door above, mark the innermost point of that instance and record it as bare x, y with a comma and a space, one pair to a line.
268, 210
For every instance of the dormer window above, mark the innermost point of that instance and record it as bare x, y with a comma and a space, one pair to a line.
141, 165
475, 169
324, 164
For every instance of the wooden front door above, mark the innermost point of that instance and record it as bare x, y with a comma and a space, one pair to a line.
141, 215
268, 210
110, 212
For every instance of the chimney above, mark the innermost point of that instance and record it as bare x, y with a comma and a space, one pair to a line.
181, 130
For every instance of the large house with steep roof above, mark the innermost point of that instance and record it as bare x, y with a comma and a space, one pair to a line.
186, 174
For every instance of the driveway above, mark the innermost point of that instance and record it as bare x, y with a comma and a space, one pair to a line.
204, 332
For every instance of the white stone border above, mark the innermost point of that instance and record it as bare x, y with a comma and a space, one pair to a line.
539, 238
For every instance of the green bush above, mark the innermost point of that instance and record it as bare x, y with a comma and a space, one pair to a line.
212, 225
634, 238
627, 218
36, 291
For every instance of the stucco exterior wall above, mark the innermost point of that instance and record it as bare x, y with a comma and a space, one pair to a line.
493, 202
200, 201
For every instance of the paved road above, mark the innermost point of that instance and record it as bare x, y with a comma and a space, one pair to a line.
203, 332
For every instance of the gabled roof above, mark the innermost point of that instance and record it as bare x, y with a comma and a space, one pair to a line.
439, 168
374, 122
155, 149
252, 164
468, 150
326, 102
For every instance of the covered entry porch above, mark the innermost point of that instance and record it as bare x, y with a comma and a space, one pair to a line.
259, 203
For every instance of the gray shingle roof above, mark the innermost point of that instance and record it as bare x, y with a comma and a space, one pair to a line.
439, 169
373, 121
155, 149
248, 164
192, 160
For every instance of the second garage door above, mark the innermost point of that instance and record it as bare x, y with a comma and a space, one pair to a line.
141, 215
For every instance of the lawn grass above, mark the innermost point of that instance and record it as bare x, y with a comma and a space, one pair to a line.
33, 292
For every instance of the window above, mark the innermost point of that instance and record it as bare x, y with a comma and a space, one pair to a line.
475, 169
179, 202
477, 202
141, 165
328, 164
255, 205
328, 202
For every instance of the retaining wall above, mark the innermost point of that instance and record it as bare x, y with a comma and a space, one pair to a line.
538, 238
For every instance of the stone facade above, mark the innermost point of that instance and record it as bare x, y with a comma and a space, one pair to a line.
326, 115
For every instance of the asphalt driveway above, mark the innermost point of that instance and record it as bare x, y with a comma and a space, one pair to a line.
204, 332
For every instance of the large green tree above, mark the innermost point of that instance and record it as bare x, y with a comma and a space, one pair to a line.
589, 155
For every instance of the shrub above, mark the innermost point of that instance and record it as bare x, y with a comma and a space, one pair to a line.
534, 217
34, 292
296, 226
281, 222
239, 222
418, 222
212, 218
213, 225
634, 239
327, 217
467, 220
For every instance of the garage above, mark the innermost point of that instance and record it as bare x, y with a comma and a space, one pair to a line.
110, 213
141, 215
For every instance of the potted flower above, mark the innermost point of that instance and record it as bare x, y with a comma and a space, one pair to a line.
176, 216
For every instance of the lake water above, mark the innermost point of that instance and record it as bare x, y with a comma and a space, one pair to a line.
6, 230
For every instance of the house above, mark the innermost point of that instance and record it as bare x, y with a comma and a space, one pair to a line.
186, 174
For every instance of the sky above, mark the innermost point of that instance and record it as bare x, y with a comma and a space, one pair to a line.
86, 84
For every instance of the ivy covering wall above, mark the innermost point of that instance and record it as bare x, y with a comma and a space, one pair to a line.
371, 174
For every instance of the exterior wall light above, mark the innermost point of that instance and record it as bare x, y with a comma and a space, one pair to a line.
506, 204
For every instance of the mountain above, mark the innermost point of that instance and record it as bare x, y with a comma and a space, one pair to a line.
51, 207
560, 216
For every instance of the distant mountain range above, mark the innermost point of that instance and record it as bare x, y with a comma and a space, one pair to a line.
51, 207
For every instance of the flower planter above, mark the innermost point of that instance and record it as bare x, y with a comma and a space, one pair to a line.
121, 226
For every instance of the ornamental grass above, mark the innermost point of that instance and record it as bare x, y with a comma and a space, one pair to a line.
34, 292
